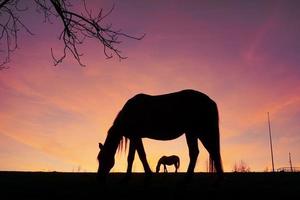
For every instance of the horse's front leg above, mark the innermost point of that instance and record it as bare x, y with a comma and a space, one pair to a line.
141, 151
130, 159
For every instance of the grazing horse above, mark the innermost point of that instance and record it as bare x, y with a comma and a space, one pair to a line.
168, 160
163, 117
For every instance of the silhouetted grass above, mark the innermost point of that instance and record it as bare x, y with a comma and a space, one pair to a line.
55, 185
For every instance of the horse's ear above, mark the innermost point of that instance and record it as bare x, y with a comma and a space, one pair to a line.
100, 145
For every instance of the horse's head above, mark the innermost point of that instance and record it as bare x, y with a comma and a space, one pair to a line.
106, 161
157, 168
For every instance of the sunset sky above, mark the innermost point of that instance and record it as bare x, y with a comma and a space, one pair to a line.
243, 54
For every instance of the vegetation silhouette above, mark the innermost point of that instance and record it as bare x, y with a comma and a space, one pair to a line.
163, 117
168, 160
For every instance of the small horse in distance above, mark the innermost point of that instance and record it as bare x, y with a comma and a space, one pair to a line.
168, 160
163, 117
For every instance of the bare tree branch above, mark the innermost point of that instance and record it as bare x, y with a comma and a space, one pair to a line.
77, 28
3, 3
10, 25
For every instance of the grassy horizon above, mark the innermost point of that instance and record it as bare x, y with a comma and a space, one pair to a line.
80, 185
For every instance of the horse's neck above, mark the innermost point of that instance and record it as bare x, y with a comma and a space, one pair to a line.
112, 140
159, 163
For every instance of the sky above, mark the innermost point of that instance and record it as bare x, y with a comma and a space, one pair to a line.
243, 54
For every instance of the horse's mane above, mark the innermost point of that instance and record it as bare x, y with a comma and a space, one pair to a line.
123, 140
123, 144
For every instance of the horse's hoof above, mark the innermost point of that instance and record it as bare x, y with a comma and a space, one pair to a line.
218, 181
148, 176
101, 179
125, 180
187, 178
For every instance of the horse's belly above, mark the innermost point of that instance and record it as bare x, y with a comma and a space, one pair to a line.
162, 135
163, 126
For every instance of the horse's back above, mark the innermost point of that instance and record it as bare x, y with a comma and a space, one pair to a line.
178, 103
169, 160
183, 95
169, 115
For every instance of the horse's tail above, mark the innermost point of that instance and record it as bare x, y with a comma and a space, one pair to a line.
215, 153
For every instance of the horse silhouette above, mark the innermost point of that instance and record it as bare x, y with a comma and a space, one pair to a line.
163, 117
168, 160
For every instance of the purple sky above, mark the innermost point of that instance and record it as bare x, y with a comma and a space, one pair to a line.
244, 55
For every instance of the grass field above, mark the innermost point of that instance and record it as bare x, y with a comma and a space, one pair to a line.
55, 185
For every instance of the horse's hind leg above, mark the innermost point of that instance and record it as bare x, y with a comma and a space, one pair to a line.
216, 157
211, 143
192, 143
141, 151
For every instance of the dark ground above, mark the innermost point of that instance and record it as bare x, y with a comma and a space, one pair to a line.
55, 185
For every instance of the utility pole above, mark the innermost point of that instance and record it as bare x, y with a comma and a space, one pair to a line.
271, 146
290, 159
